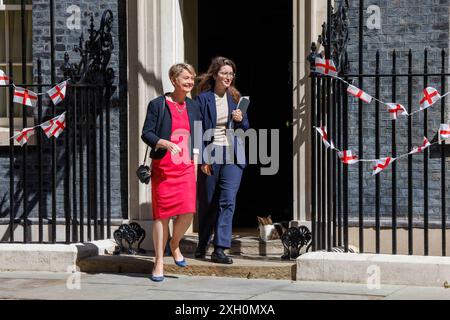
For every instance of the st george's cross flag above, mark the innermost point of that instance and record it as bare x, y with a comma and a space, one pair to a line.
395, 110
25, 135
359, 94
58, 93
326, 67
4, 79
347, 157
420, 149
430, 97
25, 97
382, 165
55, 126
444, 132
326, 141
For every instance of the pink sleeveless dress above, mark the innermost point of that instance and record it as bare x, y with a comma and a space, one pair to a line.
173, 177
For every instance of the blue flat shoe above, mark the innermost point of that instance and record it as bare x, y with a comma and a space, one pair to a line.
157, 279
181, 264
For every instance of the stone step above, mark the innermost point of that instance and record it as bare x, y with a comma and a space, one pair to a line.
249, 267
240, 245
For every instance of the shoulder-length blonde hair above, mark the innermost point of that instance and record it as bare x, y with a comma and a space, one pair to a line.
207, 82
177, 69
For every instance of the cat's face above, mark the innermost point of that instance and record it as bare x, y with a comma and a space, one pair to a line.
265, 221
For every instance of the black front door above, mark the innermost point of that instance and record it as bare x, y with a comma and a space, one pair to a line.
258, 37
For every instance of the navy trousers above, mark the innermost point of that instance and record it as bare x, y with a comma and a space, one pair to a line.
217, 202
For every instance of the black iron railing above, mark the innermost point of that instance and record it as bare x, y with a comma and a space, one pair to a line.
330, 178
77, 165
332, 216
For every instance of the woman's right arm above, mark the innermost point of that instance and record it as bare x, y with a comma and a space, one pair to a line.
206, 168
149, 132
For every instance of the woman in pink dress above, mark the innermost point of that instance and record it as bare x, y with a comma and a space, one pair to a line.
167, 130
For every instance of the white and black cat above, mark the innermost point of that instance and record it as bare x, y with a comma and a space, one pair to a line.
268, 230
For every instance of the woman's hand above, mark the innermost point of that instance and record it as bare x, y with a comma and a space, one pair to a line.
169, 146
237, 116
207, 169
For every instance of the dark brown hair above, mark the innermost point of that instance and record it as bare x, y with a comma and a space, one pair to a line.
207, 82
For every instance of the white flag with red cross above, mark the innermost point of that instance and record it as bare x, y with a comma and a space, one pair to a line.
420, 149
58, 93
430, 97
25, 97
359, 94
326, 67
347, 157
4, 79
55, 126
382, 165
444, 132
25, 135
396, 109
326, 141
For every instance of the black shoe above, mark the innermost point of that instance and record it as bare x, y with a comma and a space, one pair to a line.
221, 257
200, 253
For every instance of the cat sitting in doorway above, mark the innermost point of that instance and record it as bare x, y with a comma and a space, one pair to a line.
268, 230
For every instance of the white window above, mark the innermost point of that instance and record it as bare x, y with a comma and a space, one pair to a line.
11, 50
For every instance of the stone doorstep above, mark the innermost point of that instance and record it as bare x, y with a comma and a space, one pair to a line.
49, 257
240, 245
362, 269
248, 268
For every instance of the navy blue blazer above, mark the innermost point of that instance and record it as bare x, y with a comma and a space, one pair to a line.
158, 124
207, 102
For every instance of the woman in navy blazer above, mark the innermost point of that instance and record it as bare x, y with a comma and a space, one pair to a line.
168, 130
220, 176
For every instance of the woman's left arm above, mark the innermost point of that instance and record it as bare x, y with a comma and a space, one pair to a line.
244, 124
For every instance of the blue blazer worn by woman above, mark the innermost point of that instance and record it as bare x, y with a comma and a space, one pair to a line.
158, 125
207, 102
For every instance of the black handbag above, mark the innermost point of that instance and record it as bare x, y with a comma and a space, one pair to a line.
144, 172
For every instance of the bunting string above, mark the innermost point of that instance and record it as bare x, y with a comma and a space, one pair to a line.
25, 97
430, 97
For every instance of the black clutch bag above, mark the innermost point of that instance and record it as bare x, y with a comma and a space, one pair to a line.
144, 172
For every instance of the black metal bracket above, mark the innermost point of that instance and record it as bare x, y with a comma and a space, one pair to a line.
436, 149
95, 55
130, 233
338, 42
294, 239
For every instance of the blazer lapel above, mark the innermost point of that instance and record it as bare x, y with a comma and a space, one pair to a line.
212, 109
231, 107
191, 115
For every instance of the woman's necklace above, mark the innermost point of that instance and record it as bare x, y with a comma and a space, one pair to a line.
178, 109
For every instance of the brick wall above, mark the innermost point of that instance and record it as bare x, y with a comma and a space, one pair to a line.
65, 41
406, 24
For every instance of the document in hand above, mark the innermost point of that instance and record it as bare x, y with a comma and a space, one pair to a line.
244, 104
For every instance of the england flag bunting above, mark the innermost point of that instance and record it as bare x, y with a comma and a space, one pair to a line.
323, 132
395, 110
55, 126
444, 132
424, 146
326, 67
430, 97
359, 94
25, 97
382, 164
347, 157
25, 135
58, 93
4, 79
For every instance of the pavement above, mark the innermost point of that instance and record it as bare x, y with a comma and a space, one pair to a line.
82, 286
